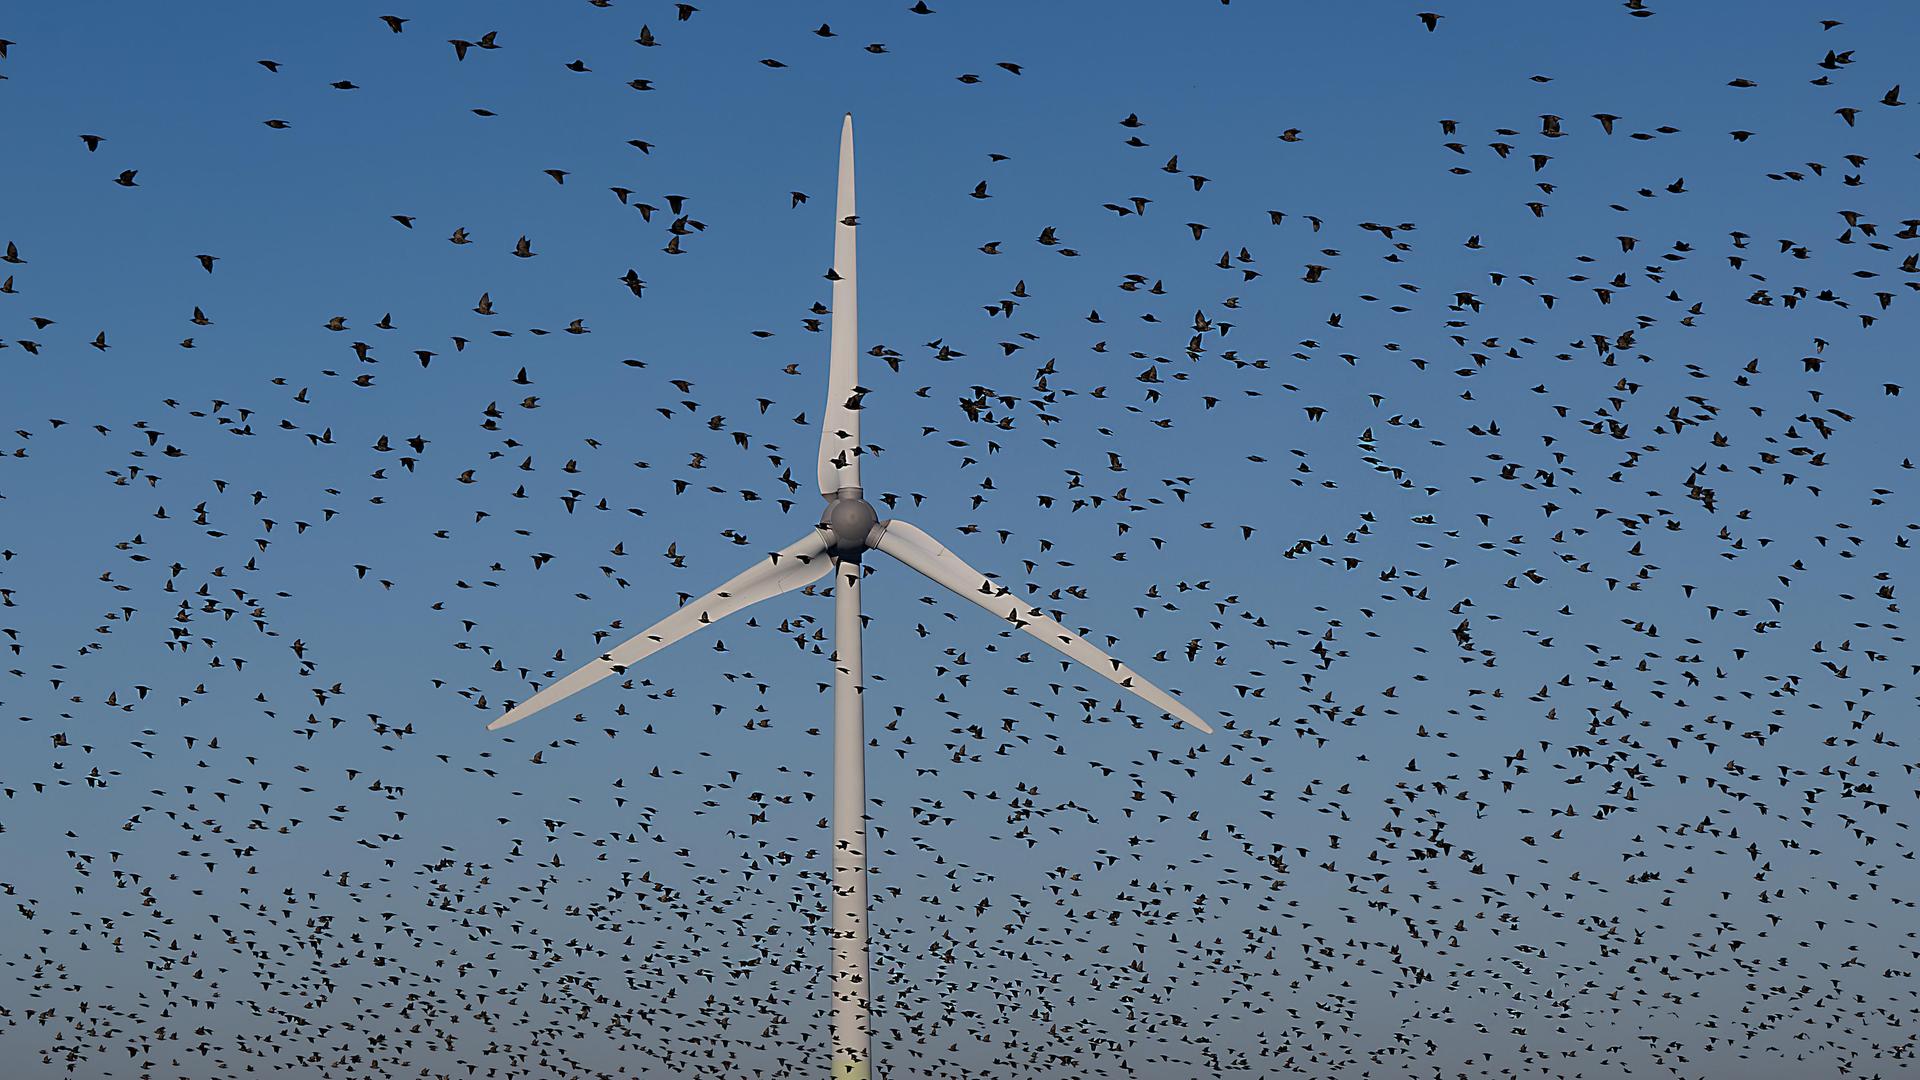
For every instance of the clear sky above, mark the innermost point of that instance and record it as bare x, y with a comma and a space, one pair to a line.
1528, 511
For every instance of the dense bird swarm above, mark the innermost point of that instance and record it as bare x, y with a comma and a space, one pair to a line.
1532, 541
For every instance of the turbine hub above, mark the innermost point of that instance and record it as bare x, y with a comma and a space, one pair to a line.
850, 519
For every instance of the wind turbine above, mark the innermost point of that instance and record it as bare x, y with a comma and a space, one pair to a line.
847, 531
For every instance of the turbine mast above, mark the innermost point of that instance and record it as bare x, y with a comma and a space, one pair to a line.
851, 983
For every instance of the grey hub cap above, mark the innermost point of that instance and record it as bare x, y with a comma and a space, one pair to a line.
853, 524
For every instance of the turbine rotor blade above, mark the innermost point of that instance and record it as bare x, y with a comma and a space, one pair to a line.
910, 545
798, 564
840, 423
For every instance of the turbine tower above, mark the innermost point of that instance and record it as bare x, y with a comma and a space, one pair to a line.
847, 531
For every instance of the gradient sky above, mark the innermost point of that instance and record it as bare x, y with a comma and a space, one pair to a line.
1700, 867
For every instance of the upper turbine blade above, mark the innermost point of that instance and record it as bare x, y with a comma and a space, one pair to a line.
914, 547
840, 424
799, 563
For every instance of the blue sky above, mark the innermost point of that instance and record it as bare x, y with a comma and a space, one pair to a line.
1342, 501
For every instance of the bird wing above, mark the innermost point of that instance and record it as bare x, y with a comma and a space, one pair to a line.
912, 546
798, 564
840, 424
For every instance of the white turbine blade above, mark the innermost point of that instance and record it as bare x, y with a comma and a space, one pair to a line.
914, 547
840, 424
798, 564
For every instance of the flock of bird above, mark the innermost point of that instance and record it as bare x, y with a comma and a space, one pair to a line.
1567, 739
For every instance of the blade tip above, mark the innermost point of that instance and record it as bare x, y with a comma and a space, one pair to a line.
1189, 718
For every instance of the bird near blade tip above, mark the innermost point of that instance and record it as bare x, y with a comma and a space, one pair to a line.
518, 713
